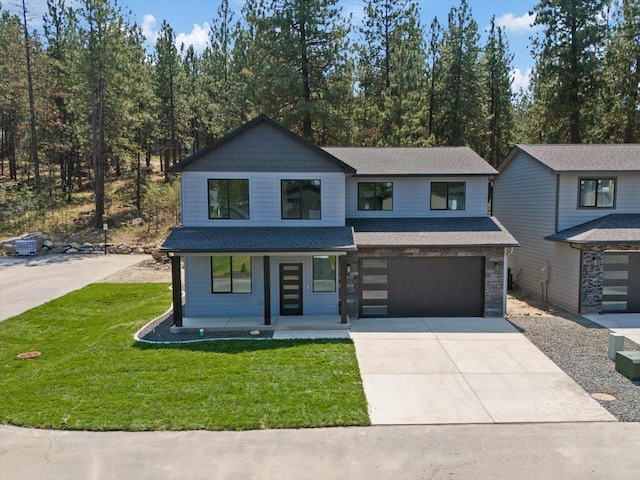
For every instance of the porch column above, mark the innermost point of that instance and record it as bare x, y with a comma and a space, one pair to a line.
267, 289
343, 289
176, 281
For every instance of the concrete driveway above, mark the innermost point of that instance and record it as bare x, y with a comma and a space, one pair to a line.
26, 282
627, 324
463, 370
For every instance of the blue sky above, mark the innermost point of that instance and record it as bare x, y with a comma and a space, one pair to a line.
191, 19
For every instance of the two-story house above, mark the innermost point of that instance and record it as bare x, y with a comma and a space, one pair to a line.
273, 225
575, 209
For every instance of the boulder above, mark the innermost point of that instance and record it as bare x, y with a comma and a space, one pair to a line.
9, 249
87, 246
135, 222
74, 245
44, 251
157, 255
123, 249
48, 244
71, 250
138, 250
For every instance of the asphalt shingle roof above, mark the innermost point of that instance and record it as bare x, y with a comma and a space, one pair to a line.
430, 232
614, 228
258, 239
587, 158
412, 161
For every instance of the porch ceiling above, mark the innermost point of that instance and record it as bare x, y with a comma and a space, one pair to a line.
259, 239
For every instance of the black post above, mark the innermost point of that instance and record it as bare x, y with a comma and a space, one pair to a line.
267, 289
176, 281
343, 290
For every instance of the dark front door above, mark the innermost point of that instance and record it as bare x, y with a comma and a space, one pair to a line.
290, 289
621, 283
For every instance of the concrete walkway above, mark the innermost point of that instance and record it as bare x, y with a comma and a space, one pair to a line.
26, 282
627, 324
585, 451
463, 370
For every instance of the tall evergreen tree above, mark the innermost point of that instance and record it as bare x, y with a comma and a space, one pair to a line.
460, 96
568, 69
497, 86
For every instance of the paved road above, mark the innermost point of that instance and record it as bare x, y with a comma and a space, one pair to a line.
565, 451
28, 282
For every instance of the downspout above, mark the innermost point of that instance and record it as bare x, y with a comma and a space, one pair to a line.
579, 276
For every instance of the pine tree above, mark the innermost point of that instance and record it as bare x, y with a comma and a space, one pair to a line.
497, 86
460, 90
568, 66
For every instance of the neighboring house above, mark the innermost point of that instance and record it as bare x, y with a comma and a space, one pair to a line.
575, 209
274, 225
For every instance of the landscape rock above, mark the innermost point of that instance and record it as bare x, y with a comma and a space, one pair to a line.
138, 250
135, 222
123, 249
48, 244
9, 249
74, 245
145, 216
44, 251
157, 255
71, 250
87, 246
117, 224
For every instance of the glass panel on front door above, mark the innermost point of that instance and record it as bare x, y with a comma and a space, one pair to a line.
290, 288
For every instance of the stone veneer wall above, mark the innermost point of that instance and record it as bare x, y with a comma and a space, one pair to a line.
493, 276
593, 274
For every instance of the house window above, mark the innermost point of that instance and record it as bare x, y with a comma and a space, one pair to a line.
301, 199
375, 196
228, 198
231, 274
324, 273
597, 192
448, 195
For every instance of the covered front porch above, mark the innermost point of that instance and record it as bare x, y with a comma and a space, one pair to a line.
250, 278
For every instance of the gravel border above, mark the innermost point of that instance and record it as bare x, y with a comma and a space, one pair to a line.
580, 348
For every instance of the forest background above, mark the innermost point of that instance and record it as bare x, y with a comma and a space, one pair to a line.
90, 119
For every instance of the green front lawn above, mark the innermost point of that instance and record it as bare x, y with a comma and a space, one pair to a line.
93, 376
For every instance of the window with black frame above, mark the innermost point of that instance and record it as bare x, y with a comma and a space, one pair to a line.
375, 196
597, 193
448, 195
301, 199
228, 198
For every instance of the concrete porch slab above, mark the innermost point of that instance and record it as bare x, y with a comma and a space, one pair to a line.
389, 325
310, 334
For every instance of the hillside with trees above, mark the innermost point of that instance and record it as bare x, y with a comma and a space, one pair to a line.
90, 120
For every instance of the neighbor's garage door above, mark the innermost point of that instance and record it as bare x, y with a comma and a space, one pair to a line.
422, 287
621, 284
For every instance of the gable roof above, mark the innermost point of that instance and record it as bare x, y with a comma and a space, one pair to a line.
623, 157
389, 161
613, 228
430, 232
262, 118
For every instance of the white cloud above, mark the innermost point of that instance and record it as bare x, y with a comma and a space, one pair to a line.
519, 80
149, 29
198, 37
522, 24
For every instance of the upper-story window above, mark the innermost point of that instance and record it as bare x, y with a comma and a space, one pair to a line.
448, 195
597, 192
228, 198
301, 199
375, 196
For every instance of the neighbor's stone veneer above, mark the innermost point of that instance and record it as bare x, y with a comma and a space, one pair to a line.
593, 274
493, 272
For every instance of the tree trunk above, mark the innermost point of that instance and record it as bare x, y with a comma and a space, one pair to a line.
98, 153
306, 115
32, 109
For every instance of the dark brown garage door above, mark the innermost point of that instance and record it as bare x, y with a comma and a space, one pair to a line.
621, 283
422, 287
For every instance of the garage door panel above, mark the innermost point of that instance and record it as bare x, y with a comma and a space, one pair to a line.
440, 286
